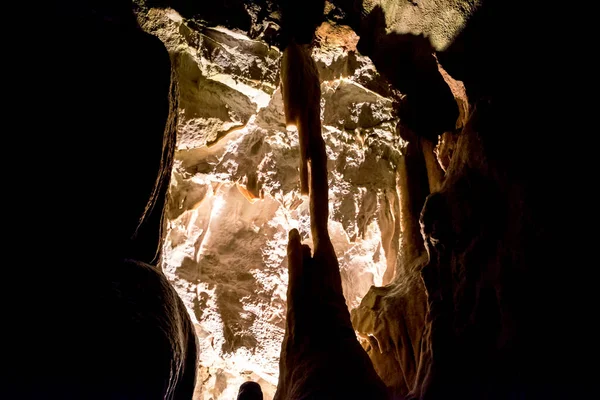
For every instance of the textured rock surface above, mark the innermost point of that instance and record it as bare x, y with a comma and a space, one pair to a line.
495, 235
391, 320
521, 301
235, 189
494, 317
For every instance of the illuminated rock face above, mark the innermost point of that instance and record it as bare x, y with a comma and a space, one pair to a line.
235, 190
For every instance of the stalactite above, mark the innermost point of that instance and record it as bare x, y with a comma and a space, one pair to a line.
301, 97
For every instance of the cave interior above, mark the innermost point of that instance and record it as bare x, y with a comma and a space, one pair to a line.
318, 199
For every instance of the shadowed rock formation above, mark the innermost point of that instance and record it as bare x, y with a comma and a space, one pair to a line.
301, 91
250, 391
428, 106
495, 247
392, 319
300, 86
113, 326
320, 355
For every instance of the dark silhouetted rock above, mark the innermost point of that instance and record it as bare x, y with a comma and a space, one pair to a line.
320, 354
100, 322
250, 391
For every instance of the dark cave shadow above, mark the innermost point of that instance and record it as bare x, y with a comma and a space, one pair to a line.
495, 50
408, 62
492, 58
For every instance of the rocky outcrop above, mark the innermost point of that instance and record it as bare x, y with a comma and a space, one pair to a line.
489, 228
391, 320
257, 19
428, 106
